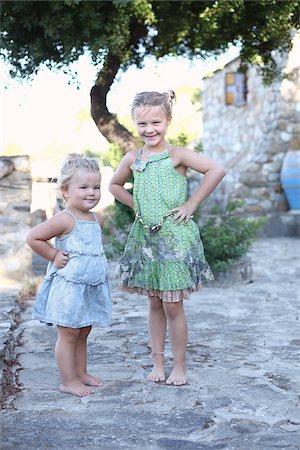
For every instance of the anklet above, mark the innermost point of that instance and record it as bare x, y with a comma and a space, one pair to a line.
157, 353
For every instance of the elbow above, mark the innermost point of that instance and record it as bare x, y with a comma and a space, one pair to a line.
111, 188
222, 172
28, 240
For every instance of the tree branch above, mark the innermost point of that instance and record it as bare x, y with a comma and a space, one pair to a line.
106, 122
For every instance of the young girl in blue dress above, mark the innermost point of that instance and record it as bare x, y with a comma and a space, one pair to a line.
75, 293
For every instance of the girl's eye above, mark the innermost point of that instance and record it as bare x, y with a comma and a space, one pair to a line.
97, 187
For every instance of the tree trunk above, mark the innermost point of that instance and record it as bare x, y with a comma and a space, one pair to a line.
106, 122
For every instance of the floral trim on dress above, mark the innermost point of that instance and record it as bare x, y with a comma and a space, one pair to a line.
164, 251
139, 165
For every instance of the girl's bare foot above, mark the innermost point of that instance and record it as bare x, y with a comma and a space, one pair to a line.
177, 376
90, 380
158, 372
156, 375
76, 388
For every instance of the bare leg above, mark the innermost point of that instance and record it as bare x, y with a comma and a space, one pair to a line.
179, 335
65, 351
157, 327
81, 359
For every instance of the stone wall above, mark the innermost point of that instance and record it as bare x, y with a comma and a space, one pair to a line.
15, 199
251, 140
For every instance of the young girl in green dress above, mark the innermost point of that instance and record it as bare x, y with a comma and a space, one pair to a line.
164, 256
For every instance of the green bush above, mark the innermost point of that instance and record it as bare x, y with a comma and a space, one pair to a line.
181, 140
228, 238
112, 156
117, 223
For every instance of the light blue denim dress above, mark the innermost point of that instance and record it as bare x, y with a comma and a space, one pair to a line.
77, 295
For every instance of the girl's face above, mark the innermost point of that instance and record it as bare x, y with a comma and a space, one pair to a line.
83, 192
151, 124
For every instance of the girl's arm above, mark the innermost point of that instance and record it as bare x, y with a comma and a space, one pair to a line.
39, 236
213, 173
119, 178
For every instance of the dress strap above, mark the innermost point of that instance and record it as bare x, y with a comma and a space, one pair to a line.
70, 214
170, 148
95, 217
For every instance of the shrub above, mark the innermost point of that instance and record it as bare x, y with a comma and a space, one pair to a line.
228, 238
181, 140
117, 223
30, 285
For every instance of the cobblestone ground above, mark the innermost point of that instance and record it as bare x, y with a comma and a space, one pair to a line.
243, 372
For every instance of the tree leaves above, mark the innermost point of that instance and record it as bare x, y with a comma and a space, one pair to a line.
58, 32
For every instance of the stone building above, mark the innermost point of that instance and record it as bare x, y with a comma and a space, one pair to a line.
15, 199
248, 127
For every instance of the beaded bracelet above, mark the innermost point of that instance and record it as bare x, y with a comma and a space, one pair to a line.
157, 353
155, 227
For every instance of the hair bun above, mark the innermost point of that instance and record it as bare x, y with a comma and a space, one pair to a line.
171, 95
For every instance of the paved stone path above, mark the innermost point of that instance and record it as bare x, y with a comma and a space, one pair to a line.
243, 369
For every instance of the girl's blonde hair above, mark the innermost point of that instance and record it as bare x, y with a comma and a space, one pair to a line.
72, 164
153, 98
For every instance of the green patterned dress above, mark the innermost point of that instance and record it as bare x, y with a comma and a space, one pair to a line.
161, 258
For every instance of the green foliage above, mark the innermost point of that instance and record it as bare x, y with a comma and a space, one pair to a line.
112, 156
117, 223
199, 147
91, 154
206, 27
197, 96
56, 33
229, 238
181, 140
197, 99
123, 214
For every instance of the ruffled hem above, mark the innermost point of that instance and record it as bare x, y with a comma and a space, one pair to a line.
66, 280
72, 305
197, 273
47, 321
165, 296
